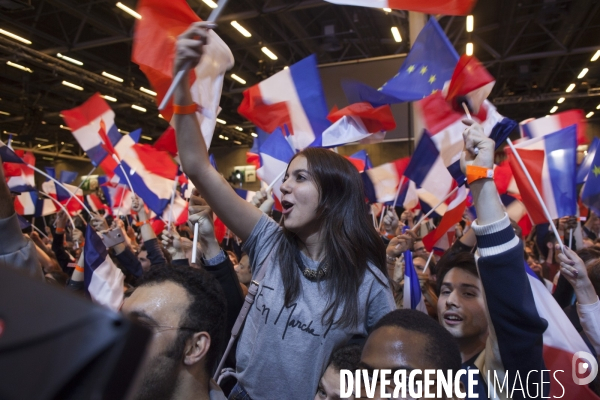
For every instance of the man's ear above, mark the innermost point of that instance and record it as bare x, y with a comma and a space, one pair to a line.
196, 348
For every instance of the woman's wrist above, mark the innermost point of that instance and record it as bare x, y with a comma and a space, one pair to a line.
585, 292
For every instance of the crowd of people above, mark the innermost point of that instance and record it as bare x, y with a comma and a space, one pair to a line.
327, 286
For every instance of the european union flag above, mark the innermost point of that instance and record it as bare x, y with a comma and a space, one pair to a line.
591, 191
586, 164
427, 67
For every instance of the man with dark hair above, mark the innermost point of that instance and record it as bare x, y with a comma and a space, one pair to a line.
345, 357
186, 310
409, 339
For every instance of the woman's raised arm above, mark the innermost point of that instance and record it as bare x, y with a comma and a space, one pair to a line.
239, 215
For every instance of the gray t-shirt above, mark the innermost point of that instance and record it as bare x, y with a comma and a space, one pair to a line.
283, 351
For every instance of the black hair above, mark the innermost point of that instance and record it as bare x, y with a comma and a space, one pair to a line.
441, 349
593, 270
207, 311
463, 260
588, 254
346, 357
349, 238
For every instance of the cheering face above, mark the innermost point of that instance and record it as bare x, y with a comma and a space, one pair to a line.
461, 308
300, 199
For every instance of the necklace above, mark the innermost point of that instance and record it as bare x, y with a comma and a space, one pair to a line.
311, 274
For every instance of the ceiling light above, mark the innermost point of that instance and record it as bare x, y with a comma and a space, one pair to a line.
237, 78
10, 133
219, 120
553, 110
240, 29
387, 9
239, 128
160, 116
12, 35
148, 91
65, 127
596, 56
588, 115
128, 10
269, 53
43, 122
135, 107
221, 136
470, 23
582, 73
469, 50
19, 66
286, 67
62, 142
396, 34
237, 142
41, 139
146, 137
570, 88
561, 100
72, 85
598, 107
111, 76
69, 59
225, 138
210, 3
4, 113
255, 135
109, 98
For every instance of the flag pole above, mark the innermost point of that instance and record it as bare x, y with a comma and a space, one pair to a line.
38, 230
39, 171
194, 248
428, 261
275, 181
537, 193
214, 15
114, 156
172, 201
82, 182
414, 228
571, 238
60, 206
383, 210
398, 191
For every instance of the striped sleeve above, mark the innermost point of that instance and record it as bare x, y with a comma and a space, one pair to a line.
495, 238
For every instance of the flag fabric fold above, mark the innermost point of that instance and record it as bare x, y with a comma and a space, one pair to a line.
470, 82
586, 164
590, 196
445, 7
275, 155
413, 297
555, 122
452, 216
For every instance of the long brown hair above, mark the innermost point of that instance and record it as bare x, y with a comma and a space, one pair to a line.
349, 238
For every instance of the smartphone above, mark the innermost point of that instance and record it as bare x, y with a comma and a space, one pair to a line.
113, 237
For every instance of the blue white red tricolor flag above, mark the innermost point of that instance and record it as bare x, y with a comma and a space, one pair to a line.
445, 7
555, 122
413, 297
275, 155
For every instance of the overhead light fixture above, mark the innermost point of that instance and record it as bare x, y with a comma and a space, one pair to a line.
255, 135
160, 116
148, 91
237, 78
62, 142
241, 29
146, 137
19, 66
219, 120
109, 98
598, 107
470, 23
582, 73
136, 107
225, 138
69, 59
128, 10
237, 142
210, 3
596, 56
122, 131
469, 50
570, 88
41, 139
396, 34
72, 85
13, 36
44, 122
221, 136
65, 127
553, 109
588, 115
269, 53
561, 100
286, 67
9, 133
239, 128
387, 10
4, 113
111, 76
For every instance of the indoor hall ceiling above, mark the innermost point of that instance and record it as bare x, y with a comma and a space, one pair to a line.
534, 49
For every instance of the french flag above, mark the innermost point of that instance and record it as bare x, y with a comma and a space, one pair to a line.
29, 203
454, 213
551, 162
275, 155
94, 203
24, 179
102, 279
180, 211
381, 183
427, 169
119, 199
586, 164
63, 196
413, 297
361, 161
555, 122
245, 194
562, 342
517, 212
93, 125
8, 155
445, 7
470, 83
445, 128
123, 147
293, 97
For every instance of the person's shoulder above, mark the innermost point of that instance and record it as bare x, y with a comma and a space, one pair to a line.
375, 277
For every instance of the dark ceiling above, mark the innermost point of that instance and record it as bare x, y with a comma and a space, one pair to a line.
535, 49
